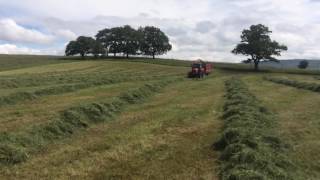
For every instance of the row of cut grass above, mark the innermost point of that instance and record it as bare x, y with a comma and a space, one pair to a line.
15, 148
24, 96
10, 62
50, 78
298, 115
54, 68
166, 137
294, 83
32, 80
23, 115
250, 147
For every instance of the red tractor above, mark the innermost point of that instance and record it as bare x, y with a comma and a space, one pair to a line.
199, 69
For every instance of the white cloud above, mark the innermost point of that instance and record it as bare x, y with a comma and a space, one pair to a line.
13, 49
206, 28
66, 34
12, 32
84, 9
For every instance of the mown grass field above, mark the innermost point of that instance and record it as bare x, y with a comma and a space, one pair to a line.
120, 119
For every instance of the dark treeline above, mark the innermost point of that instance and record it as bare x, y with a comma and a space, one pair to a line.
125, 40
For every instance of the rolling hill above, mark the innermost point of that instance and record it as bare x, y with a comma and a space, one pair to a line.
292, 64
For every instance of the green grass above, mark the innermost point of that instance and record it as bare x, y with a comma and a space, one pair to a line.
153, 139
250, 147
9, 62
298, 117
15, 148
26, 114
110, 125
311, 86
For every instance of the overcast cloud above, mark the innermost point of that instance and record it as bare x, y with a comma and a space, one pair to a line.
207, 29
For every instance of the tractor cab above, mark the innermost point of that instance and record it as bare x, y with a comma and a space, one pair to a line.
199, 69
196, 65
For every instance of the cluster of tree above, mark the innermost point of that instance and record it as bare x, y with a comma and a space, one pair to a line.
256, 43
126, 40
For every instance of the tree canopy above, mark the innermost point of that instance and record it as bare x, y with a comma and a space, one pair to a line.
119, 40
83, 46
153, 41
130, 40
150, 41
98, 49
256, 43
104, 38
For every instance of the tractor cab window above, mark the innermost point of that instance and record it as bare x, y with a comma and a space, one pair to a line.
196, 66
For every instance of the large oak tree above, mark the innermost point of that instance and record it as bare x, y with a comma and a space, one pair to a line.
153, 41
130, 40
104, 37
98, 49
256, 43
83, 46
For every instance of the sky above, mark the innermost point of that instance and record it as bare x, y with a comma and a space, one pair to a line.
206, 29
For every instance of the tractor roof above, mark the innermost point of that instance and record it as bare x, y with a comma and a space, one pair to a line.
199, 61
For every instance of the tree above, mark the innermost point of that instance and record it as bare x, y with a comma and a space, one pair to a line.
256, 43
153, 41
72, 48
104, 37
303, 64
83, 46
116, 40
130, 40
98, 49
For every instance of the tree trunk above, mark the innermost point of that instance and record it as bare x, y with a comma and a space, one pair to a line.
114, 54
127, 55
82, 55
153, 56
256, 65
